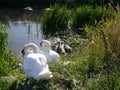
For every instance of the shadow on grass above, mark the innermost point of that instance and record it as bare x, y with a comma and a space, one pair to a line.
33, 85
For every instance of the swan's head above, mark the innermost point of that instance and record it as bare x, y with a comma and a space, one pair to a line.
30, 48
45, 44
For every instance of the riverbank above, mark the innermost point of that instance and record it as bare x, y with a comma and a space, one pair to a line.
95, 66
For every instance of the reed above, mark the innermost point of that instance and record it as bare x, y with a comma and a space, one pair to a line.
59, 19
56, 19
88, 15
103, 56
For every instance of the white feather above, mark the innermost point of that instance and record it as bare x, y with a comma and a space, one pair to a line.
35, 64
50, 54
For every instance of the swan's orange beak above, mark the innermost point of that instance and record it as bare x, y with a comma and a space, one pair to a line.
23, 52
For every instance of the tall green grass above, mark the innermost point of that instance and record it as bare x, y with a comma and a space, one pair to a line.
3, 38
9, 64
55, 19
6, 58
58, 18
103, 52
90, 16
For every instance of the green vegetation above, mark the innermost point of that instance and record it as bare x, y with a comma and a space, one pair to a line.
55, 19
94, 67
88, 15
9, 68
58, 19
3, 38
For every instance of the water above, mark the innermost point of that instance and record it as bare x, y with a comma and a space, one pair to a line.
23, 32
23, 27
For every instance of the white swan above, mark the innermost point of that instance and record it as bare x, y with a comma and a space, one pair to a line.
46, 50
35, 64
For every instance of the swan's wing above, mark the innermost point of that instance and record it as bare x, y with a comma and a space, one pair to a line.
42, 59
32, 73
32, 62
45, 75
46, 53
54, 55
33, 66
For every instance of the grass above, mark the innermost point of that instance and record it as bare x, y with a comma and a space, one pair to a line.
55, 19
3, 38
96, 66
58, 20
